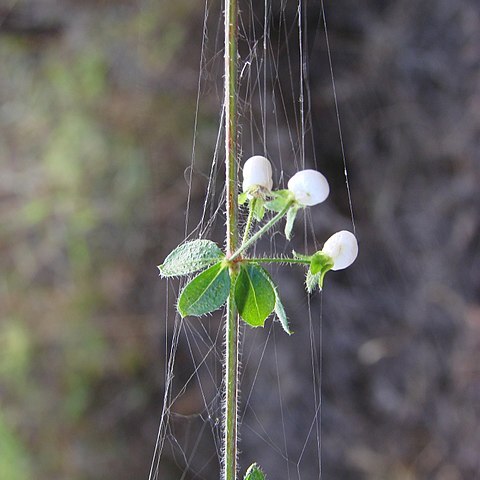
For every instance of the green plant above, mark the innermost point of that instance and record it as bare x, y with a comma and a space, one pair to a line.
14, 461
236, 278
241, 279
254, 291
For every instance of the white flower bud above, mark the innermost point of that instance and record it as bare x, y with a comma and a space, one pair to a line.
342, 247
309, 187
257, 171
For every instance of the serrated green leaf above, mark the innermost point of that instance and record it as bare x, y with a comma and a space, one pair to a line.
206, 292
254, 473
291, 214
254, 295
190, 257
279, 200
279, 308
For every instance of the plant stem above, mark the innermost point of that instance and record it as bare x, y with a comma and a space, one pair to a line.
277, 260
260, 232
248, 226
229, 463
231, 386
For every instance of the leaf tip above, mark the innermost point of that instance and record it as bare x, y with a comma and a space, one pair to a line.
254, 472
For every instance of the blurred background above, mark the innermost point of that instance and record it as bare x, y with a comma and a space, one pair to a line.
98, 104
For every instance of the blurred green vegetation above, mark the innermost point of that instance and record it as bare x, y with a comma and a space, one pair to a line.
13, 457
85, 148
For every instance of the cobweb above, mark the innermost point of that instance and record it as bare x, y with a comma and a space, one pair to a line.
276, 45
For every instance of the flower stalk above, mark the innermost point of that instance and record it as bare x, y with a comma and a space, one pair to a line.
282, 260
248, 225
261, 232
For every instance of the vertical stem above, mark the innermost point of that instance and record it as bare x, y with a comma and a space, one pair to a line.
231, 354
230, 79
231, 395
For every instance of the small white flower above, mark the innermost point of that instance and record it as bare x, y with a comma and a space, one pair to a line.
309, 187
257, 172
342, 247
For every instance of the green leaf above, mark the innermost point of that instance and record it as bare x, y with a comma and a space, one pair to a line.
291, 214
206, 292
279, 201
254, 473
279, 308
254, 295
190, 257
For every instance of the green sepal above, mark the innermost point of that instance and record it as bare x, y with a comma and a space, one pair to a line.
254, 473
320, 264
206, 292
254, 295
258, 208
279, 200
279, 308
242, 198
291, 214
311, 281
190, 257
254, 192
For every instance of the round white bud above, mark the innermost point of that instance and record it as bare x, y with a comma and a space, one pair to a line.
342, 247
257, 172
309, 187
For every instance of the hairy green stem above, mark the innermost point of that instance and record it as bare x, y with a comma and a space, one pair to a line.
231, 386
277, 260
261, 231
229, 461
248, 226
